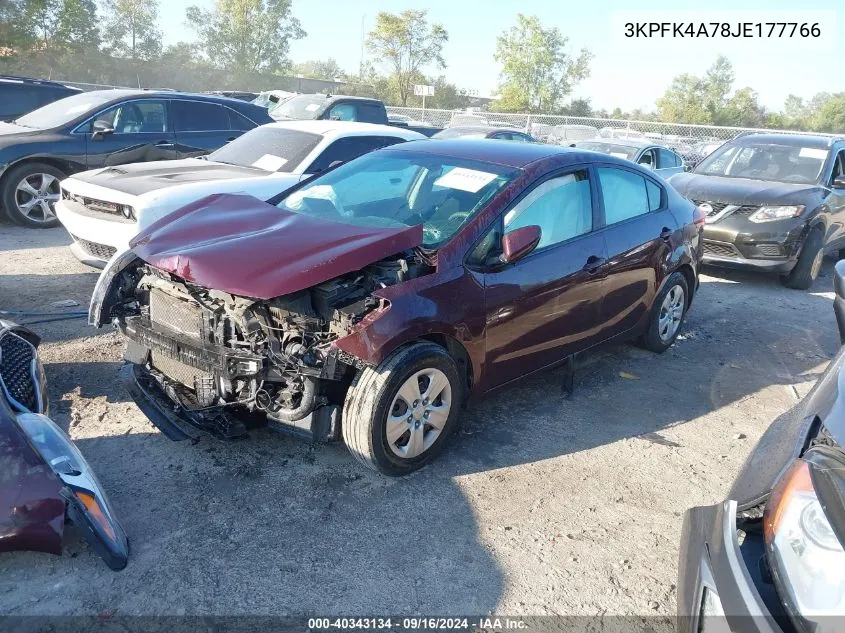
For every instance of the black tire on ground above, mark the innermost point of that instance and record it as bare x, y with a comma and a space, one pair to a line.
8, 194
370, 399
807, 268
652, 339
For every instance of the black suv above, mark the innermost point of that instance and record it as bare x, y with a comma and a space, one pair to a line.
774, 202
108, 127
19, 95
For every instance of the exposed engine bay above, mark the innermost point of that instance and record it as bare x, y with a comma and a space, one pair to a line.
224, 360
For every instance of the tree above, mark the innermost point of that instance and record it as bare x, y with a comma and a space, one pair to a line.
685, 101
16, 32
41, 14
742, 110
317, 69
407, 43
718, 81
830, 115
537, 73
77, 26
247, 35
131, 29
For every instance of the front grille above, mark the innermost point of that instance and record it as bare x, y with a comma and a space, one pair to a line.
16, 356
769, 250
100, 251
122, 211
716, 249
177, 370
175, 315
718, 207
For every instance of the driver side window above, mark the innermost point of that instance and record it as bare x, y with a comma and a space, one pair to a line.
838, 166
561, 206
135, 117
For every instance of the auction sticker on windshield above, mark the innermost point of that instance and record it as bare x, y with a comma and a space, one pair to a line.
464, 179
813, 152
270, 162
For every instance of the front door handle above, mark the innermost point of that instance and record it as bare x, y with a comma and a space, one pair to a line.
666, 233
164, 144
231, 138
594, 263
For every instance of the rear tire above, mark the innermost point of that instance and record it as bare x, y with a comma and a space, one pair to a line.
29, 195
667, 314
383, 427
809, 263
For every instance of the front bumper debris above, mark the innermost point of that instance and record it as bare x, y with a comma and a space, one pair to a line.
713, 560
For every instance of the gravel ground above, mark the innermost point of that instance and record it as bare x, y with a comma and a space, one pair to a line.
540, 506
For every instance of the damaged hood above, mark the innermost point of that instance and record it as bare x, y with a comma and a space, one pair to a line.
139, 178
246, 247
741, 191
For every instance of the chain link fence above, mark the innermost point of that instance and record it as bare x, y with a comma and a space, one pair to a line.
688, 140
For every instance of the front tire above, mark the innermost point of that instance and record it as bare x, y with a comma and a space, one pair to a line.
397, 416
809, 263
30, 192
667, 314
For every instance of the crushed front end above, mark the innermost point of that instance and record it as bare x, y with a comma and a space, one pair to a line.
210, 360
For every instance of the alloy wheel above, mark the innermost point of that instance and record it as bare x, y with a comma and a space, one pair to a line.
419, 413
35, 196
671, 312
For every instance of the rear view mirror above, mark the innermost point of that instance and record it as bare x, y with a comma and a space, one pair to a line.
839, 182
518, 243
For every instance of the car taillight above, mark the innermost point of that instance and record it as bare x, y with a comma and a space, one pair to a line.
699, 216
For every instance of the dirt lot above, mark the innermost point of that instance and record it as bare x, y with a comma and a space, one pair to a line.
541, 505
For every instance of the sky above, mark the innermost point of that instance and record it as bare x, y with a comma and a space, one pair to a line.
624, 73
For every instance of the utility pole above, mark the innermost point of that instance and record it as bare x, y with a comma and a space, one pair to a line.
361, 65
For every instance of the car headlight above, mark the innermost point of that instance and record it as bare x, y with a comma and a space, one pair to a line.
771, 214
88, 506
806, 556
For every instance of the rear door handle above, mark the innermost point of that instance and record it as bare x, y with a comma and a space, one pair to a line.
594, 263
666, 233
164, 144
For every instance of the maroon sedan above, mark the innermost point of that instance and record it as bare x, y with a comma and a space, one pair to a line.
370, 302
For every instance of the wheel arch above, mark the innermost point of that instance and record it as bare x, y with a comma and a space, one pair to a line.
65, 166
458, 352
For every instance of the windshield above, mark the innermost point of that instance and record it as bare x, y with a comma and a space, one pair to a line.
300, 107
766, 161
64, 110
620, 151
268, 148
398, 189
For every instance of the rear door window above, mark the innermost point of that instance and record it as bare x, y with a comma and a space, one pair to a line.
625, 194
199, 116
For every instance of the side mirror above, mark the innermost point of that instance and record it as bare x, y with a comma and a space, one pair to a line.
100, 129
839, 298
518, 243
839, 182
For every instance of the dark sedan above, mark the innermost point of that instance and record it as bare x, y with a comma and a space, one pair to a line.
104, 128
770, 558
372, 300
486, 131
775, 202
45, 479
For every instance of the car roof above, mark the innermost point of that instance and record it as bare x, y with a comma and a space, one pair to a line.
794, 140
506, 153
340, 128
29, 81
624, 142
484, 128
122, 93
331, 97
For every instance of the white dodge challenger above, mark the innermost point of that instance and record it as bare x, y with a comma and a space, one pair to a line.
103, 209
